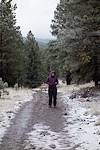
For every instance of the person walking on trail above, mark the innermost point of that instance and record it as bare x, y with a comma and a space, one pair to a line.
52, 82
68, 77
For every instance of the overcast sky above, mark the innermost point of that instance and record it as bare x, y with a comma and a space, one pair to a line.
35, 15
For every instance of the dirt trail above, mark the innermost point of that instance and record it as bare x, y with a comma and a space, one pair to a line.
31, 113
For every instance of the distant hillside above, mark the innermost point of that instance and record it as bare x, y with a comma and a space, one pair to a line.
43, 43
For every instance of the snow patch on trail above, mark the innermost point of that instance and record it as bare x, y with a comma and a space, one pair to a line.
10, 104
43, 138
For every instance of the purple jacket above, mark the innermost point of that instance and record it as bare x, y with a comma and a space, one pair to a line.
52, 81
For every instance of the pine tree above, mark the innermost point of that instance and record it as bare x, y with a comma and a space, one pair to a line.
52, 56
33, 63
73, 21
10, 43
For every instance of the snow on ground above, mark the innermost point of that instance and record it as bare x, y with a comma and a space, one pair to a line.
82, 123
84, 120
10, 104
43, 138
71, 88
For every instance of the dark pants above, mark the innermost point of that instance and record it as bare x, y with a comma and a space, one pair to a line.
52, 95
